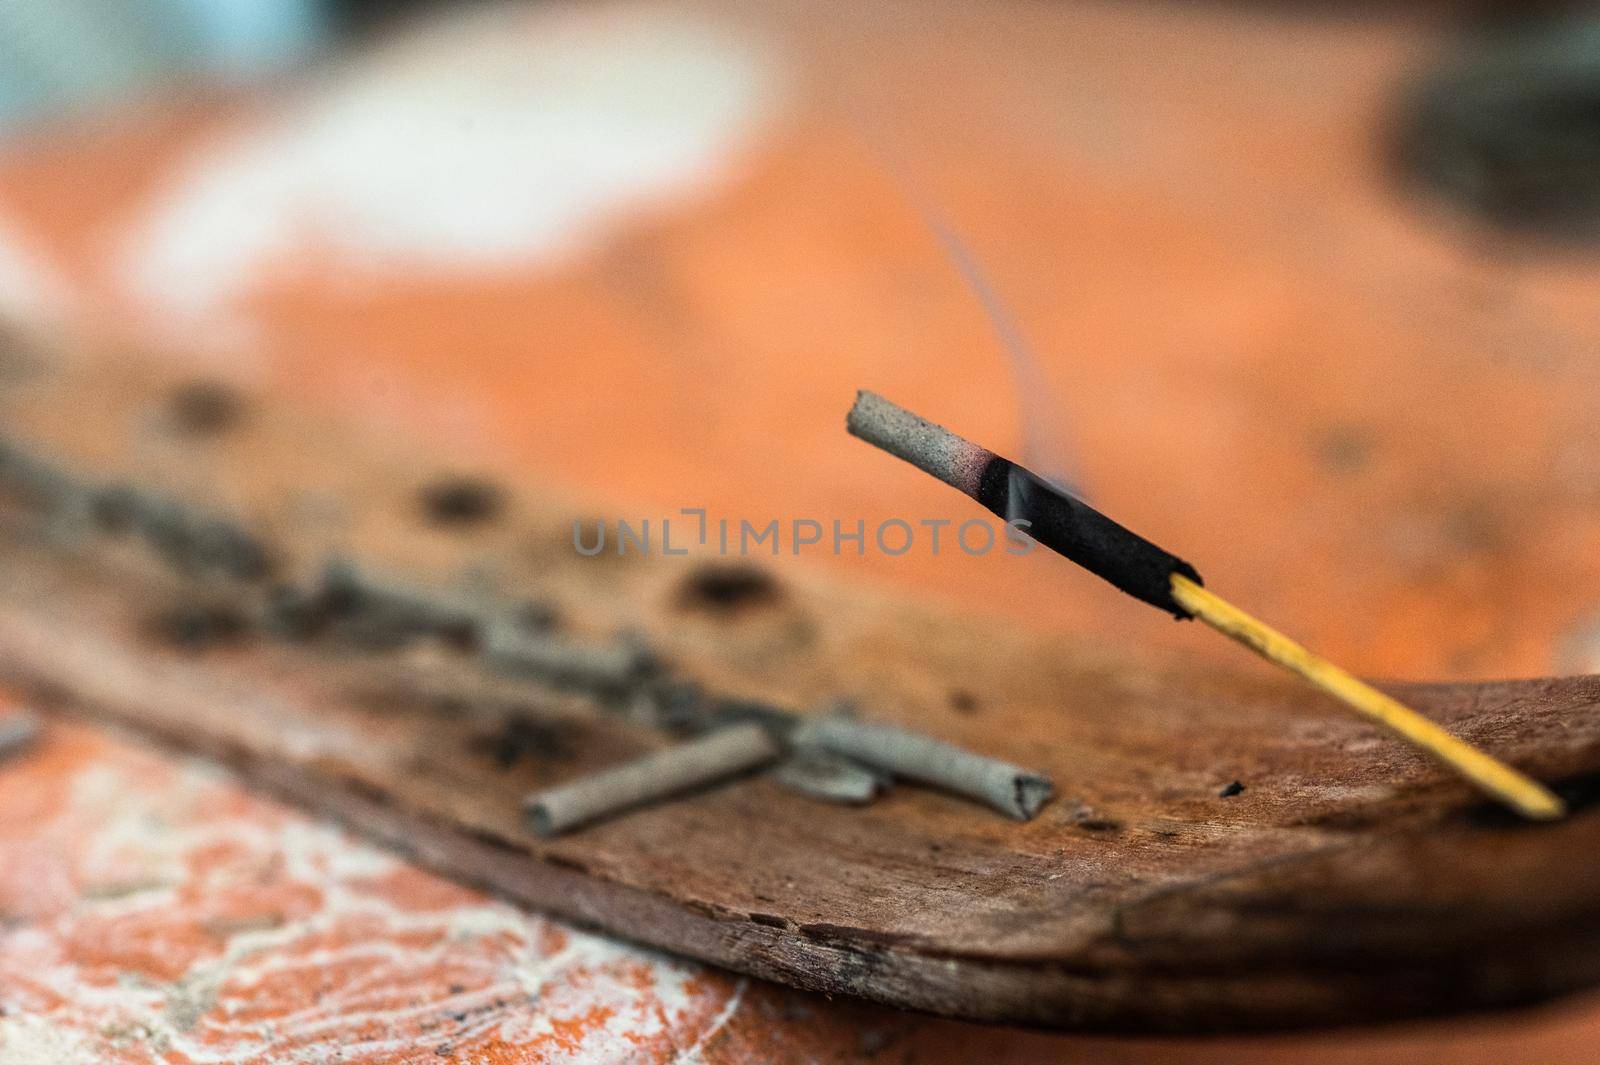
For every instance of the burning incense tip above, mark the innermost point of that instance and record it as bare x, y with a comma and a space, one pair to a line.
1053, 517
1015, 792
718, 756
956, 461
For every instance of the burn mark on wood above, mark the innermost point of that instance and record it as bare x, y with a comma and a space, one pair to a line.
379, 611
727, 588
198, 627
963, 702
770, 920
1079, 814
461, 502
523, 736
1345, 449
1231, 790
204, 408
1508, 129
197, 545
115, 508
536, 615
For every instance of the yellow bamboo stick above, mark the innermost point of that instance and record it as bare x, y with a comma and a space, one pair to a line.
1518, 791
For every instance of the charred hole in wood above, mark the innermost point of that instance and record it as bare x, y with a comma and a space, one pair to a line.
536, 615
44, 693
723, 588
198, 627
1505, 129
195, 546
1344, 450
460, 502
521, 737
204, 409
1231, 790
1581, 793
711, 910
296, 615
1099, 824
460, 635
115, 509
963, 702
770, 920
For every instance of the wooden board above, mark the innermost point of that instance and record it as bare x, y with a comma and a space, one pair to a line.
1348, 881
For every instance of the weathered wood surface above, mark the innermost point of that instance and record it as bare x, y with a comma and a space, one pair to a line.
1350, 880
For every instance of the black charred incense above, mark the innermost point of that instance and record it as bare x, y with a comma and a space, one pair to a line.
1057, 520
1014, 791
715, 757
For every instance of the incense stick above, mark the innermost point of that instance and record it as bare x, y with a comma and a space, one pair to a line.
1074, 529
717, 756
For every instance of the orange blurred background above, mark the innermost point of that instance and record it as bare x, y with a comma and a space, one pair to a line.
641, 255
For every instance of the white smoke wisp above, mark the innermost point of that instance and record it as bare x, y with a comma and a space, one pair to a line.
1044, 447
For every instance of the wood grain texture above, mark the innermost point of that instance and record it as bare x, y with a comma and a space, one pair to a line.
1350, 880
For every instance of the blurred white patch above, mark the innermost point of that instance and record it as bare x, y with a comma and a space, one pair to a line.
29, 1040
509, 138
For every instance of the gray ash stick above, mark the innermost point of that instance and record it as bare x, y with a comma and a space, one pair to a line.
830, 777
1014, 791
718, 756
